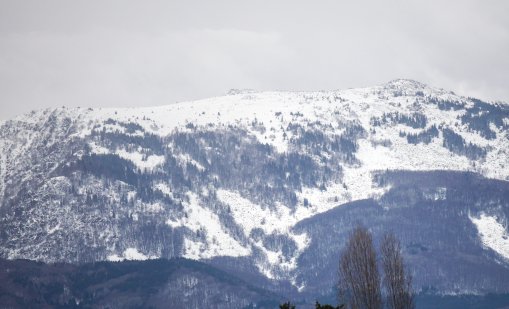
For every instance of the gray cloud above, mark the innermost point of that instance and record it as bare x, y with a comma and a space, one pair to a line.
133, 53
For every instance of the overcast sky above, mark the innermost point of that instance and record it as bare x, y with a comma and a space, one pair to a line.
142, 53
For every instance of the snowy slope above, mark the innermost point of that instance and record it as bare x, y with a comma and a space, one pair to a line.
216, 215
278, 109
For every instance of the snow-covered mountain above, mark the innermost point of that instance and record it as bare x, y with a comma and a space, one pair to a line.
241, 180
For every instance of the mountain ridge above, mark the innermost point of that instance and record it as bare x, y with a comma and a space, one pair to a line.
130, 284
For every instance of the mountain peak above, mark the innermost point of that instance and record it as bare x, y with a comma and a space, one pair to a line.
235, 91
402, 83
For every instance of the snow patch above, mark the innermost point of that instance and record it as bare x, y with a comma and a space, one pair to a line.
96, 149
165, 189
51, 230
218, 241
142, 161
185, 158
131, 254
279, 220
153, 207
439, 194
492, 233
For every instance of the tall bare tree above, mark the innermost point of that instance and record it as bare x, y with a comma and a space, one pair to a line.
359, 279
397, 281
